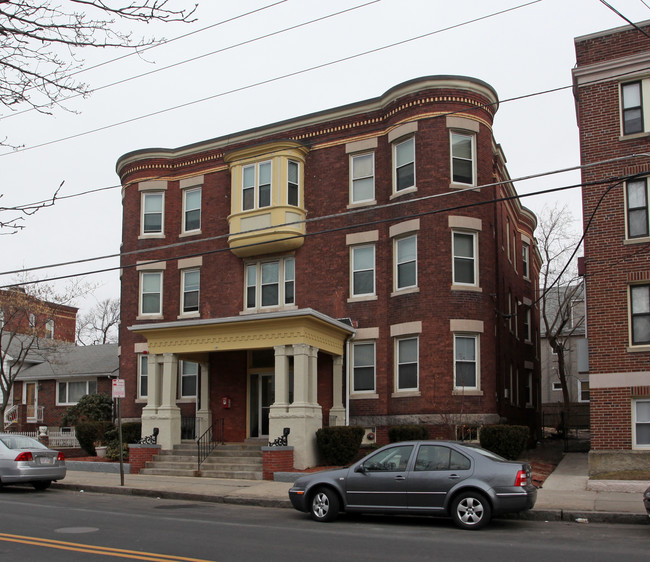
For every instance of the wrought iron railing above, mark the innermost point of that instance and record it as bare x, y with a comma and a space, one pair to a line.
207, 443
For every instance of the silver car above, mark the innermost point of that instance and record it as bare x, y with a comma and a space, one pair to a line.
25, 460
468, 483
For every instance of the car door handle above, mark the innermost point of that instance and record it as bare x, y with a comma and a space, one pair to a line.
454, 477
400, 477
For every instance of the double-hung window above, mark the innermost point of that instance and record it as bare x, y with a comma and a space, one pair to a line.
293, 190
189, 378
525, 257
192, 209
641, 411
191, 288
363, 354
462, 158
466, 373
256, 186
363, 270
406, 271
151, 292
49, 330
270, 283
362, 177
464, 258
640, 314
404, 164
152, 213
143, 375
637, 208
407, 363
632, 108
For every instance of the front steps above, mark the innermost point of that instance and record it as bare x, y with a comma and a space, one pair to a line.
241, 461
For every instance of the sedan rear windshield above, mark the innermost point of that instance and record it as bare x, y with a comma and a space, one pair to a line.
21, 442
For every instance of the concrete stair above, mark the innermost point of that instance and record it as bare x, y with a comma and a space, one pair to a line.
241, 461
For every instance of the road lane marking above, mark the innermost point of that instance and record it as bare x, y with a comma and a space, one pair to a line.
101, 550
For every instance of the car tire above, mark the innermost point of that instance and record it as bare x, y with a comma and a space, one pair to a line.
41, 485
471, 510
324, 505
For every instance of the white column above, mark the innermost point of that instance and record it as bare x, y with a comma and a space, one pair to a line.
337, 412
313, 375
168, 418
203, 412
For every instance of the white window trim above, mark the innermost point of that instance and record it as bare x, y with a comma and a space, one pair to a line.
182, 396
141, 313
525, 251
190, 313
468, 390
636, 446
282, 283
411, 188
66, 382
365, 393
157, 234
143, 358
298, 204
472, 137
579, 395
456, 285
361, 202
637, 239
644, 85
397, 263
363, 296
256, 186
186, 192
632, 345
411, 391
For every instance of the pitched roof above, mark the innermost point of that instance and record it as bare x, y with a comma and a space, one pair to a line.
75, 361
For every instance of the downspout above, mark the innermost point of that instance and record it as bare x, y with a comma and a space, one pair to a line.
347, 380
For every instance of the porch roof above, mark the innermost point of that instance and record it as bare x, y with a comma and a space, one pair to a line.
254, 331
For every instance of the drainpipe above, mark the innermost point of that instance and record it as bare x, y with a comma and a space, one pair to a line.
347, 380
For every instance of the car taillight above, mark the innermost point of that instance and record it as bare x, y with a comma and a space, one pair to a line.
522, 479
24, 457
60, 457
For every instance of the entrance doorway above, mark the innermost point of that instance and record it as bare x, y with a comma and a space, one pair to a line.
262, 396
31, 401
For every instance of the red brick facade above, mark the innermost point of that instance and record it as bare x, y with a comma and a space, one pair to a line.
427, 110
616, 260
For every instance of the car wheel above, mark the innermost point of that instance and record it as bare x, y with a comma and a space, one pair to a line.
41, 484
471, 510
324, 505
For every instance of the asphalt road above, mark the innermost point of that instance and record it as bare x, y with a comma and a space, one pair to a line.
59, 525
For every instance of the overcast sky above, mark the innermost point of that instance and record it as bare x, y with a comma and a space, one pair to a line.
526, 50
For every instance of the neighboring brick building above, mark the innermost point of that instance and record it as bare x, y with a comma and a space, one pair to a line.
612, 91
336, 268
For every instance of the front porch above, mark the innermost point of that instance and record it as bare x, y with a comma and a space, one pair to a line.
263, 373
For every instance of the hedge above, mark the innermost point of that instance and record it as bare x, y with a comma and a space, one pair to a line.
508, 441
339, 445
408, 433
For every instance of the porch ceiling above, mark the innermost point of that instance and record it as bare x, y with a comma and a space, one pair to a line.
247, 332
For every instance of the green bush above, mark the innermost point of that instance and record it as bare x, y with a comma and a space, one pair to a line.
339, 445
91, 407
508, 441
91, 432
131, 432
408, 433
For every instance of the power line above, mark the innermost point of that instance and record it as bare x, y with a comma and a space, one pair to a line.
270, 80
625, 18
205, 55
140, 50
318, 233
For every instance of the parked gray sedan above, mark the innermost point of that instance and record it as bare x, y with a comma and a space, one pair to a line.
25, 460
468, 483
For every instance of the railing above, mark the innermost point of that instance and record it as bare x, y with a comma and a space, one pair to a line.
209, 441
11, 416
64, 439
188, 427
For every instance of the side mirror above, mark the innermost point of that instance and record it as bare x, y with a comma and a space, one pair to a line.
360, 468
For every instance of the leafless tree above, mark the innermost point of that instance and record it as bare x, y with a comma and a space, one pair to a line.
560, 286
100, 324
40, 46
28, 317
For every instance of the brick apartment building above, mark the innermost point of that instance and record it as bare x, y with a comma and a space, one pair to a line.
366, 265
612, 92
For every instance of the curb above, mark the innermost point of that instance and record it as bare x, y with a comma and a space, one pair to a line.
547, 515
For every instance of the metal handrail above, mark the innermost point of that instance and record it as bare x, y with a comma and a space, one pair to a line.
207, 442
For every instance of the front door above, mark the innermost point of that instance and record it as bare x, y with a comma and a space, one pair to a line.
262, 396
31, 401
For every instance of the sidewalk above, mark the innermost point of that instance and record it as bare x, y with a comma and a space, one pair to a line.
567, 494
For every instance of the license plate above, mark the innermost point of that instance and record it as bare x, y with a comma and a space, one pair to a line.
45, 460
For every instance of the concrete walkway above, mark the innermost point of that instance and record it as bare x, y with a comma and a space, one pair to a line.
567, 494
